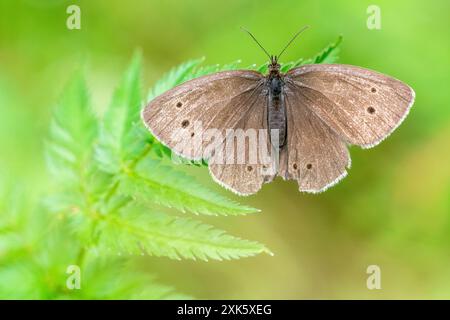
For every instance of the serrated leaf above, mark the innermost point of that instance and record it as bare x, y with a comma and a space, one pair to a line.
263, 68
156, 183
117, 140
328, 55
72, 132
70, 148
175, 76
132, 232
106, 277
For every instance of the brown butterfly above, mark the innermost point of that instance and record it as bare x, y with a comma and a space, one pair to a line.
316, 109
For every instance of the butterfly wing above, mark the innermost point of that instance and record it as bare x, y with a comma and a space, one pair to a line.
246, 176
180, 116
362, 106
230, 100
314, 155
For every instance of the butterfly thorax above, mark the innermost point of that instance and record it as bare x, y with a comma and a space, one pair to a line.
276, 111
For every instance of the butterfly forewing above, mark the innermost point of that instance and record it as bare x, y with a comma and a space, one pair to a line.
180, 116
362, 106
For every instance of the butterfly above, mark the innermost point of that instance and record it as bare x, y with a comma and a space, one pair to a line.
316, 110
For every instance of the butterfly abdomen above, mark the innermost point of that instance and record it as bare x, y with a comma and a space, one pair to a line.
276, 111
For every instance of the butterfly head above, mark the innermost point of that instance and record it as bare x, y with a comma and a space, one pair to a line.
274, 66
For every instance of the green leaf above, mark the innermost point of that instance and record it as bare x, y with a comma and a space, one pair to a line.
70, 150
132, 232
72, 133
174, 77
263, 68
14, 219
117, 140
156, 183
329, 54
104, 277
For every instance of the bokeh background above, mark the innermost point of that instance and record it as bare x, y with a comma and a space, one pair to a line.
393, 209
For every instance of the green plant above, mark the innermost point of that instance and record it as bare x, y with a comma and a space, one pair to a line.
111, 182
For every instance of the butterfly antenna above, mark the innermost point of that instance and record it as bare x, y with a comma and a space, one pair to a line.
251, 35
293, 38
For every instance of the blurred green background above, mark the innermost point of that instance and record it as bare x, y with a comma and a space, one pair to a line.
393, 209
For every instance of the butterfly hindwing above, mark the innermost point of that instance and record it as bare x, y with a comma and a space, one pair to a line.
314, 155
248, 177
